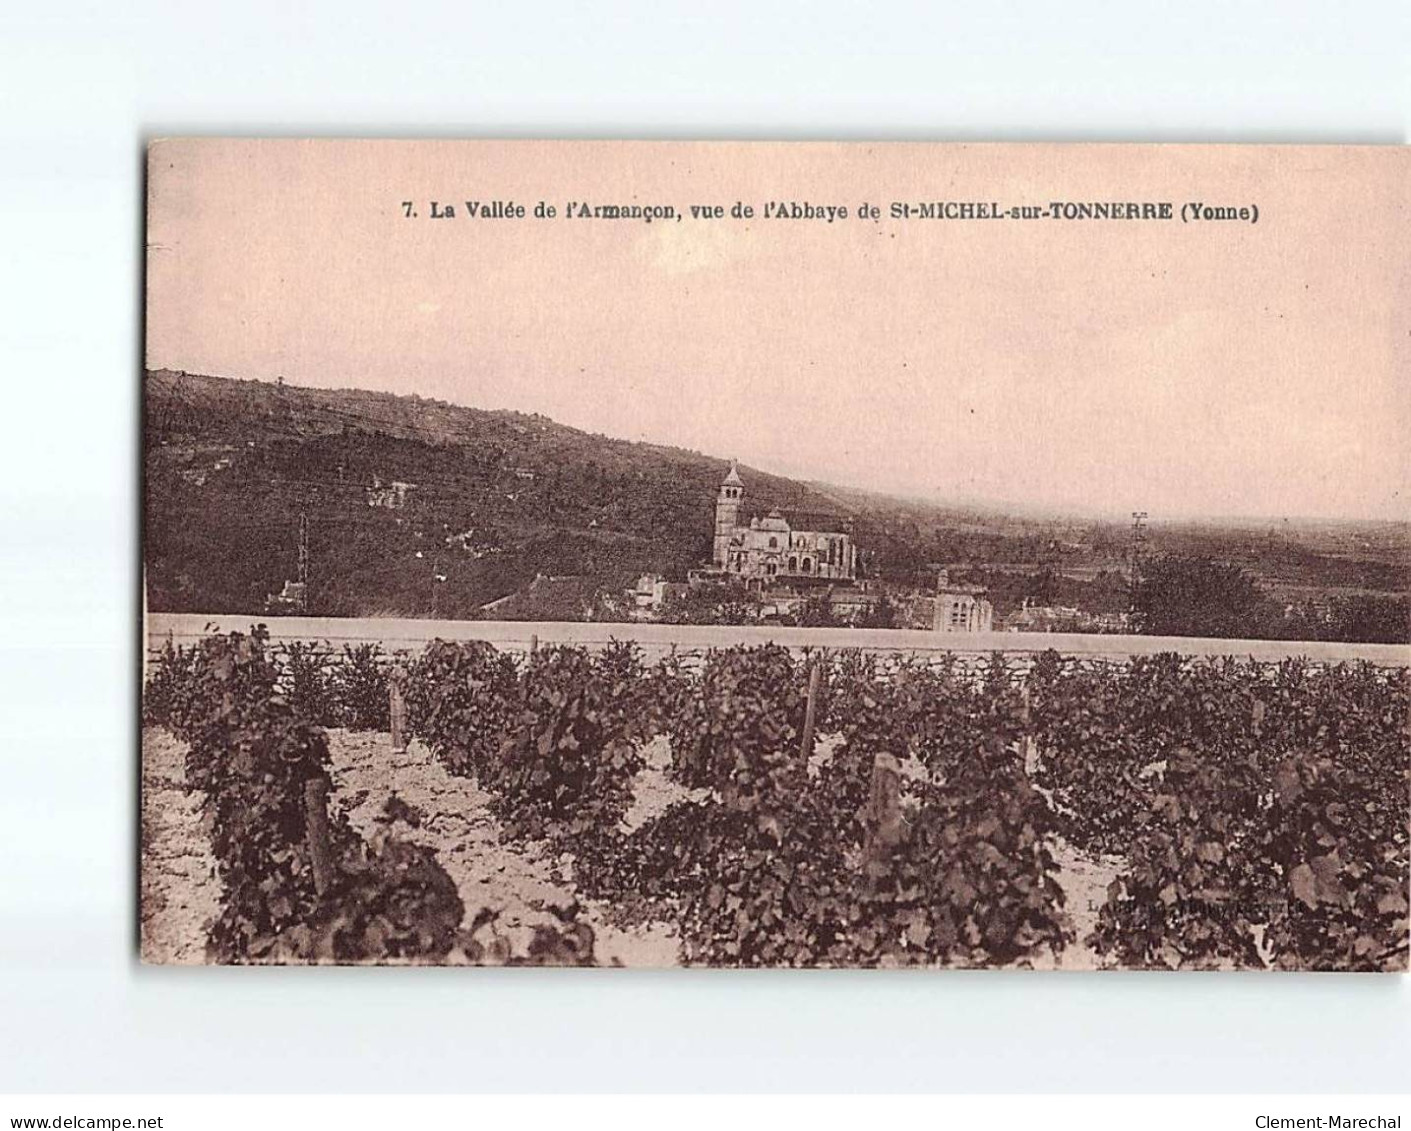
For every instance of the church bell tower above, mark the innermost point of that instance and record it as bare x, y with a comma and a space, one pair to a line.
727, 515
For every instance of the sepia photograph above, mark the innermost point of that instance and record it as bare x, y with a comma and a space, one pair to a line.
776, 554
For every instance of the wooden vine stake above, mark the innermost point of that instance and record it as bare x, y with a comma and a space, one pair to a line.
810, 717
397, 707
883, 822
1031, 746
316, 830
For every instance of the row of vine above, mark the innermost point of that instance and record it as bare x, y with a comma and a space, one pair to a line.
775, 860
1259, 812
348, 688
253, 755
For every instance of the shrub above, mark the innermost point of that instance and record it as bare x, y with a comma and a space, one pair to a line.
1278, 829
360, 689
1195, 886
392, 901
253, 756
555, 744
766, 893
566, 765
166, 698
740, 732
1344, 902
790, 873
462, 698
969, 880
1091, 753
306, 684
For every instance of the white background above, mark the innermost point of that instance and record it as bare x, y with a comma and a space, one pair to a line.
82, 86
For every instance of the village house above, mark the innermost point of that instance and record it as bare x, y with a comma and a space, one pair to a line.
962, 608
1064, 618
292, 598
649, 593
391, 495
850, 604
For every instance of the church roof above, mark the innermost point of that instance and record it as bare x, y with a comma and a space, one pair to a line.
815, 522
733, 479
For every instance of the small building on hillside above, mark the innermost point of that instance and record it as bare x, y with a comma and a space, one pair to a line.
650, 592
293, 598
391, 495
1065, 618
850, 604
962, 608
1043, 618
781, 604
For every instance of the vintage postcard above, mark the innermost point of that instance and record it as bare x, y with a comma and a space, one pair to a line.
777, 555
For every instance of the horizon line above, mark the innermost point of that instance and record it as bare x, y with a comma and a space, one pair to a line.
1002, 507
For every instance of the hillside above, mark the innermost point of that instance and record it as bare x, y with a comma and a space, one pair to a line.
495, 499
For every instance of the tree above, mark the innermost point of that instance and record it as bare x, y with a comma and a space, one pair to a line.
1181, 596
817, 612
1371, 618
1041, 587
882, 615
711, 604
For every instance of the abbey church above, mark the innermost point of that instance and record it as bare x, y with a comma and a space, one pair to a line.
769, 548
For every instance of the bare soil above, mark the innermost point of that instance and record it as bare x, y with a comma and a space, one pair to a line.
408, 795
1084, 879
451, 815
180, 892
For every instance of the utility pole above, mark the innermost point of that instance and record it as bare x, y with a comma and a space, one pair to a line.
1136, 556
437, 577
303, 562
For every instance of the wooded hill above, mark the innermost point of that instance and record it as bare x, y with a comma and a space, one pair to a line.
497, 499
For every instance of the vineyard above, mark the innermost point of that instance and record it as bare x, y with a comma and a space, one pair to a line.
757, 806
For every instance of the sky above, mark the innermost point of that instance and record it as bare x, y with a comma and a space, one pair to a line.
1186, 369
